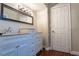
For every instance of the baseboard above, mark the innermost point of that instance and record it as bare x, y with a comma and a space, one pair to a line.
74, 53
48, 48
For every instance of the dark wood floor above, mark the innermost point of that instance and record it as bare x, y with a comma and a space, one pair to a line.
52, 53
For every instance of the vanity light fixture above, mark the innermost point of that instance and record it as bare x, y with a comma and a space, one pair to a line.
23, 9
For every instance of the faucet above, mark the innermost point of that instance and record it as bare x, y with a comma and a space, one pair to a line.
8, 30
18, 30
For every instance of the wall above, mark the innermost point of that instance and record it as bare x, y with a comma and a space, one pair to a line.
75, 26
42, 25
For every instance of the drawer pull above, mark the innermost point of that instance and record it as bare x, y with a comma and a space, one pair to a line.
32, 43
17, 46
32, 50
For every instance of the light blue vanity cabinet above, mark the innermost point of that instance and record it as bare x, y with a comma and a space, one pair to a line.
20, 45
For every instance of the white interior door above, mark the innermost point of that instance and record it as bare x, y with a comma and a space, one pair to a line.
60, 28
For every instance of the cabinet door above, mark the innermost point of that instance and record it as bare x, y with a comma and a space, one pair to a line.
24, 50
10, 52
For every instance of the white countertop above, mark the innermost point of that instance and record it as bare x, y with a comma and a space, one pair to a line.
14, 34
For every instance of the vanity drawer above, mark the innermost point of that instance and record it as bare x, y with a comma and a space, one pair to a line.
25, 41
28, 41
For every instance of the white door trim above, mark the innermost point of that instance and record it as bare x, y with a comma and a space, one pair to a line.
74, 53
70, 24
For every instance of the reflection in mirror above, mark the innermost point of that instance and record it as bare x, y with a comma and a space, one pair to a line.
8, 13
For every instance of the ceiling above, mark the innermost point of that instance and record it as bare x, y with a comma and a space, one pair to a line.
39, 6
35, 6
